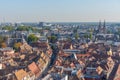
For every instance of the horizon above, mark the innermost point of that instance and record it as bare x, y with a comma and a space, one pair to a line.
60, 22
59, 11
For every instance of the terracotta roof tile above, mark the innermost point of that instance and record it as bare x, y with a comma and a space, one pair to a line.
34, 68
21, 74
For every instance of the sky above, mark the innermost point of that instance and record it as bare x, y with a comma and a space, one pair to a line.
59, 10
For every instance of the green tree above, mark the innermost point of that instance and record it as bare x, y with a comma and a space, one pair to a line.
90, 36
86, 36
69, 38
32, 38
52, 39
1, 39
76, 36
10, 28
16, 46
24, 28
47, 28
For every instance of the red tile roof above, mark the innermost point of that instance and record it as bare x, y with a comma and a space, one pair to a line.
20, 74
34, 68
117, 75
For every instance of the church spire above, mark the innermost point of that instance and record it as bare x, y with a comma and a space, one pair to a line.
104, 25
99, 24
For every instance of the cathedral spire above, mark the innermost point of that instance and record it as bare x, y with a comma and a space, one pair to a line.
99, 24
104, 25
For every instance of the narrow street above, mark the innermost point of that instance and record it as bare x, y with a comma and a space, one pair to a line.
52, 61
112, 74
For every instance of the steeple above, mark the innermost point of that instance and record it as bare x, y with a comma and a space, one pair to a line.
104, 25
99, 24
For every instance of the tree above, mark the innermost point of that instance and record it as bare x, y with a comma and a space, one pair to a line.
32, 38
2, 42
16, 46
23, 28
10, 28
47, 28
3, 45
1, 39
90, 36
76, 36
69, 38
52, 39
86, 36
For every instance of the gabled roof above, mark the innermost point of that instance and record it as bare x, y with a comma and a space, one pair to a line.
20, 74
0, 66
117, 75
41, 45
99, 70
34, 68
25, 48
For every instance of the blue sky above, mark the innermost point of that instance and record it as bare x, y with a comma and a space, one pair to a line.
59, 10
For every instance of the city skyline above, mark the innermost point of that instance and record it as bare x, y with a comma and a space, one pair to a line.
59, 11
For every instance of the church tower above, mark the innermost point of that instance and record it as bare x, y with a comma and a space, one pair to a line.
104, 27
99, 27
